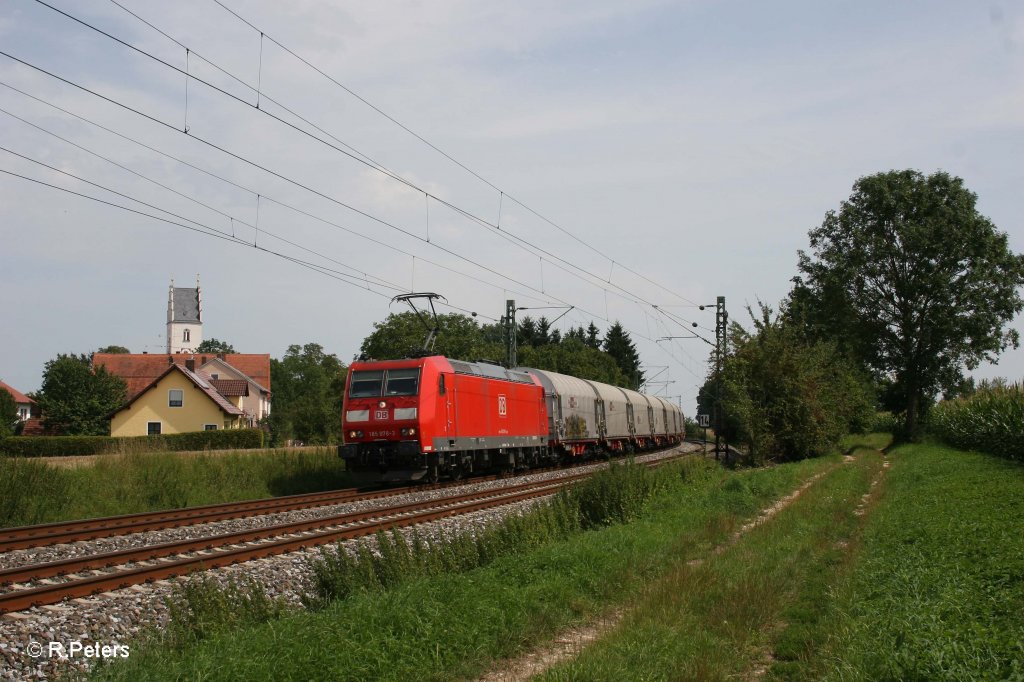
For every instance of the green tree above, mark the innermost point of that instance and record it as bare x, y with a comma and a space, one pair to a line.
593, 336
786, 396
543, 332
119, 350
618, 345
914, 281
75, 399
308, 388
575, 358
215, 346
8, 413
402, 334
527, 332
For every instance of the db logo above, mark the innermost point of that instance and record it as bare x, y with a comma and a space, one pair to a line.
502, 406
380, 414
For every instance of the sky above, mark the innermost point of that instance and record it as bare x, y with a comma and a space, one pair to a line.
632, 159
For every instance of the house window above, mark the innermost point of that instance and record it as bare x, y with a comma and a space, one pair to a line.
153, 428
24, 413
215, 377
209, 427
175, 397
186, 336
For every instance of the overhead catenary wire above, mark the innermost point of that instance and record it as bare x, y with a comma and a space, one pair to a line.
526, 244
265, 169
239, 157
443, 153
366, 276
452, 206
231, 183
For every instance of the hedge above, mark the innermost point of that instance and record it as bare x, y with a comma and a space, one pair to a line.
72, 446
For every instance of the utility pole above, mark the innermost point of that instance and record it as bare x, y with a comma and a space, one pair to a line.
721, 325
510, 330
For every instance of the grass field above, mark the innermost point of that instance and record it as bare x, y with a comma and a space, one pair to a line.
937, 592
906, 567
457, 625
34, 492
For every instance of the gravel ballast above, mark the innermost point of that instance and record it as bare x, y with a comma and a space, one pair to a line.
117, 618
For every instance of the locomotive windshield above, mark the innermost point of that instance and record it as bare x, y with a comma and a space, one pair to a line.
366, 384
403, 381
377, 382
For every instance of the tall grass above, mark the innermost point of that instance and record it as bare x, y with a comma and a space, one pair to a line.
938, 589
990, 420
616, 495
34, 492
200, 607
454, 625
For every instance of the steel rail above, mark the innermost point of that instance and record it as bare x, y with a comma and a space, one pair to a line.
50, 594
60, 567
418, 512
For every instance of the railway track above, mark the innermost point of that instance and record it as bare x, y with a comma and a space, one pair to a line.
68, 578
26, 537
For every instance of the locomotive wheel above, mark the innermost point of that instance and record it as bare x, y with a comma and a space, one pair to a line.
456, 472
433, 475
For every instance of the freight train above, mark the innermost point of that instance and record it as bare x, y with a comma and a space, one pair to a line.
431, 417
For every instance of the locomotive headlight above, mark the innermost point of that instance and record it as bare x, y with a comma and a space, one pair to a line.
382, 404
408, 432
351, 434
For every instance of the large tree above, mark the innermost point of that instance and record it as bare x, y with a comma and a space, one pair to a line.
212, 345
118, 350
572, 356
77, 400
913, 280
458, 336
8, 413
308, 387
618, 345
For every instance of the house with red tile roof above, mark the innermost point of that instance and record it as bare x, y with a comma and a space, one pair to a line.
242, 378
179, 400
22, 402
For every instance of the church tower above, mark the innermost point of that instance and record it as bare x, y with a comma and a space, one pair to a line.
184, 318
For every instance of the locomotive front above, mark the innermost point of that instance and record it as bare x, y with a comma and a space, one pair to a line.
388, 416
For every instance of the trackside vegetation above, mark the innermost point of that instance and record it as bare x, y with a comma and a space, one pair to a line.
615, 495
429, 626
35, 492
77, 446
901, 567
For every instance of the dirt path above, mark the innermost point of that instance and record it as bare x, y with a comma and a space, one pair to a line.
765, 661
571, 642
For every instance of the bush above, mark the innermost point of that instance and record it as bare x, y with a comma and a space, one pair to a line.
990, 420
615, 495
786, 397
73, 446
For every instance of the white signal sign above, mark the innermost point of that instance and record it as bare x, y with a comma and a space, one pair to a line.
703, 420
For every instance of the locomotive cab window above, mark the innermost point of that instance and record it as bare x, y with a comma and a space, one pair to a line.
366, 384
403, 381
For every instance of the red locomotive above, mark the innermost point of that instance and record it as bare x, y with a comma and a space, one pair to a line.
422, 418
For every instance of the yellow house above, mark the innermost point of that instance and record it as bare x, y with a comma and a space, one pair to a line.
177, 401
